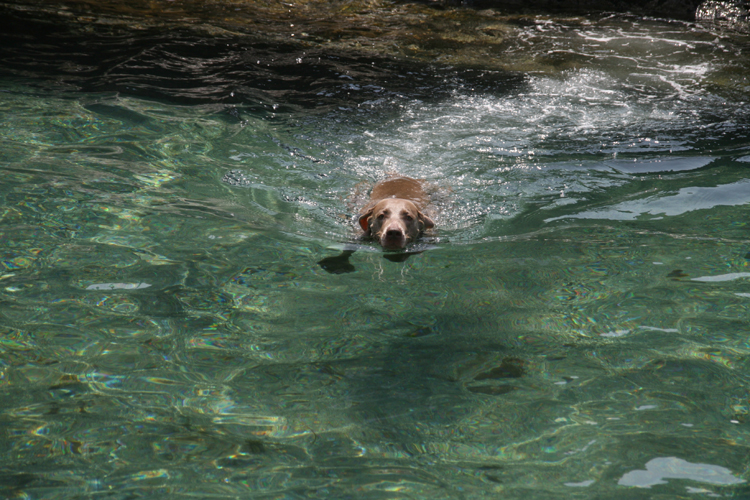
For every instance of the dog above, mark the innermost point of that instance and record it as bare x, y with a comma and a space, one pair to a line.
393, 216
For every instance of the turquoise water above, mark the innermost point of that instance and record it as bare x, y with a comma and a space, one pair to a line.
577, 326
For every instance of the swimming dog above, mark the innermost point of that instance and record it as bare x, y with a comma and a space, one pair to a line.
393, 216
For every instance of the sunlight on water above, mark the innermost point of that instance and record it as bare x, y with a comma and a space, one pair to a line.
575, 327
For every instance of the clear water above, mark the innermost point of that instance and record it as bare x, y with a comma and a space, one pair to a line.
577, 327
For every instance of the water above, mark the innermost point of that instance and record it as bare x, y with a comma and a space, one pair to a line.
576, 327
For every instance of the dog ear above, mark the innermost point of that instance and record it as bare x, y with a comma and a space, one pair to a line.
426, 221
364, 221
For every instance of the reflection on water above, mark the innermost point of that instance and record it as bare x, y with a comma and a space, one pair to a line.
577, 326
660, 469
686, 200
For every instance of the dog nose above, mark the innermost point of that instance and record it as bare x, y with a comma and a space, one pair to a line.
393, 233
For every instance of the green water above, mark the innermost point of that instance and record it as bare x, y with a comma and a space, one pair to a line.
576, 327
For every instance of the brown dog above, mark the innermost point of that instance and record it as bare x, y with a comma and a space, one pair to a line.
394, 215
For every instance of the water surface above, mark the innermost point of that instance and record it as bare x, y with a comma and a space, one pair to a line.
576, 327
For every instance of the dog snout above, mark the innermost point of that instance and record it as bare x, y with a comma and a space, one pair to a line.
393, 237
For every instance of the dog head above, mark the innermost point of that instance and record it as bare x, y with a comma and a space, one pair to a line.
394, 222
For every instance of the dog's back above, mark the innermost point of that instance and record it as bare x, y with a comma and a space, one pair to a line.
399, 187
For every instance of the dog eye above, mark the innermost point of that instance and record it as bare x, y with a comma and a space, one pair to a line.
408, 217
381, 216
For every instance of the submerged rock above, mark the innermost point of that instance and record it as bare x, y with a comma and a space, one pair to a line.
673, 9
494, 35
